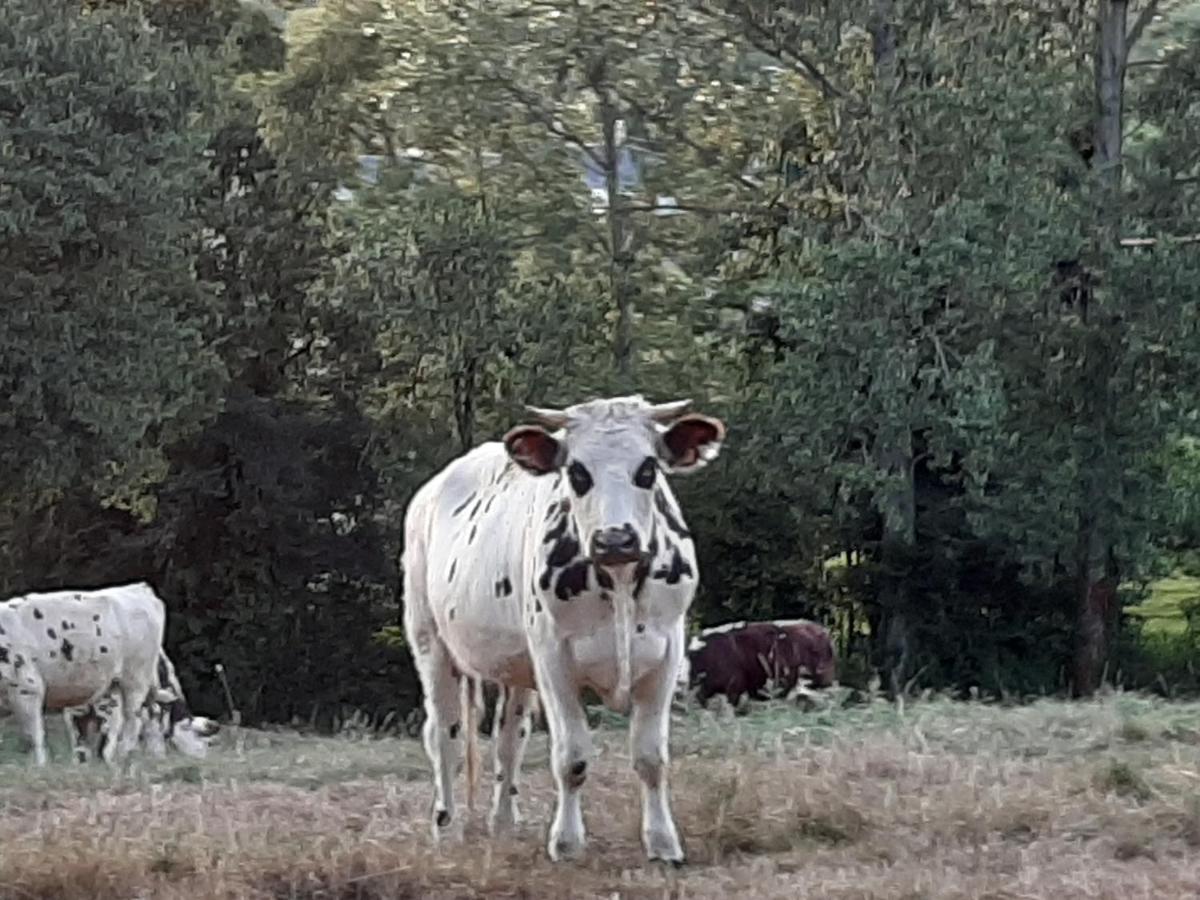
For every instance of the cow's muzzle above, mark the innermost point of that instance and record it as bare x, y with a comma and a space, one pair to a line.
615, 547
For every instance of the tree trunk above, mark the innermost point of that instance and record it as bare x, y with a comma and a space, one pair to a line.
1095, 574
894, 453
899, 509
620, 245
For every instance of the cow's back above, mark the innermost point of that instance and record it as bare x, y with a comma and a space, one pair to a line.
77, 643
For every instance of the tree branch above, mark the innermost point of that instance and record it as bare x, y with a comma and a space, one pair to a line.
543, 116
1153, 242
1139, 25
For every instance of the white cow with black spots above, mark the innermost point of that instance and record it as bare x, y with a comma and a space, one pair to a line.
553, 560
70, 648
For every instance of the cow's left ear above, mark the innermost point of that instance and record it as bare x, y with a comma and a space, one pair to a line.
692, 442
535, 449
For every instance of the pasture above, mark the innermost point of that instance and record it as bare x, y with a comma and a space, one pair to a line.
938, 800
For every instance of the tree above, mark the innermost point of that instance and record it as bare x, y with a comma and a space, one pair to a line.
103, 321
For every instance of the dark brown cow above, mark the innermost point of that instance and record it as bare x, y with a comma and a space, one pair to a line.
740, 658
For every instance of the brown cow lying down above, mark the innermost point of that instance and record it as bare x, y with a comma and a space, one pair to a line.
741, 657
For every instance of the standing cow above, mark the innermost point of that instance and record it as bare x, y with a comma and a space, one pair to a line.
558, 559
744, 658
69, 648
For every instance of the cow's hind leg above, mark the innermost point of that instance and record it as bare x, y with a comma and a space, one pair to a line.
570, 750
510, 732
443, 732
649, 726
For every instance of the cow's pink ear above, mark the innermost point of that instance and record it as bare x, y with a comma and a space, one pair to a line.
534, 449
693, 441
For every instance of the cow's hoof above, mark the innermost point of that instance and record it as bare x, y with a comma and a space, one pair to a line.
446, 828
504, 818
563, 848
664, 847
675, 863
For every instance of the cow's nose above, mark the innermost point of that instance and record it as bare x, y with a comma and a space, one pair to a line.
615, 545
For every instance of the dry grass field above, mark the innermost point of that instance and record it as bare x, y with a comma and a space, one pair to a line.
940, 800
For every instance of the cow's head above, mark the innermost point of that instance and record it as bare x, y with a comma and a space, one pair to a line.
169, 722
611, 453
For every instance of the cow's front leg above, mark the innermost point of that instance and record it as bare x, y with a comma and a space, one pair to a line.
26, 704
650, 722
570, 748
511, 728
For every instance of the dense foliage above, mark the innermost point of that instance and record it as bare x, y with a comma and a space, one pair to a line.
266, 269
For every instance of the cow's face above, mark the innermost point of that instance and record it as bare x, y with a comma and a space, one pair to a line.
170, 722
611, 453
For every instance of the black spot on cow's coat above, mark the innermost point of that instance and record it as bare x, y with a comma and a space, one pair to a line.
573, 580
512, 790
464, 504
443, 818
452, 614
644, 476
679, 568
96, 617
37, 613
664, 509
641, 628
537, 605
581, 479
68, 650
99, 633
556, 531
3, 654
66, 626
475, 509
18, 661
103, 649
2, 631
563, 552
522, 731
454, 731
604, 579
488, 508
503, 587
499, 776
453, 566
474, 531
52, 634
606, 596
578, 773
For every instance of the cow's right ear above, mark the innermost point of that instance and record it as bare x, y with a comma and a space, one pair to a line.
535, 449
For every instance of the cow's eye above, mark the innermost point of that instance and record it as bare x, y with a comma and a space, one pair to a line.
581, 481
644, 476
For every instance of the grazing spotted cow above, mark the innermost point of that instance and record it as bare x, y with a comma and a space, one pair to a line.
554, 560
744, 658
69, 648
164, 721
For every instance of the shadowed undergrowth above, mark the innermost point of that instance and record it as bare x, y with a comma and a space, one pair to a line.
942, 800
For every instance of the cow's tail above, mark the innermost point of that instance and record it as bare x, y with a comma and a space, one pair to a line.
471, 696
624, 636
